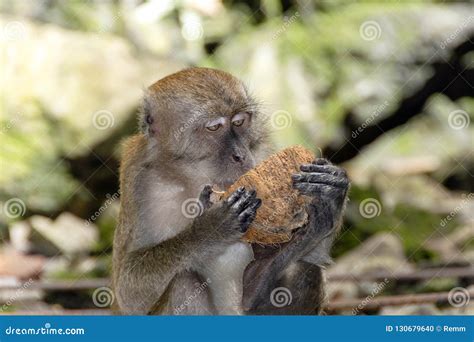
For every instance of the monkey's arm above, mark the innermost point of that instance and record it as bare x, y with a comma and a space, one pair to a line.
145, 273
297, 265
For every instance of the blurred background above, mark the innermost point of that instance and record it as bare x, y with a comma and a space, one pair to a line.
383, 89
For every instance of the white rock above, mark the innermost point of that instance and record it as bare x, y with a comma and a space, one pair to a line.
68, 233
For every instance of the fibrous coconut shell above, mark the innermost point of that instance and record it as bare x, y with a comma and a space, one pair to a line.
283, 207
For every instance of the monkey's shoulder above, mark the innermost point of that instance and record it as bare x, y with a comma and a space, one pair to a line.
133, 148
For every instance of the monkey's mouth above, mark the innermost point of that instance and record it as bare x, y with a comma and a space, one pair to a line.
222, 186
230, 176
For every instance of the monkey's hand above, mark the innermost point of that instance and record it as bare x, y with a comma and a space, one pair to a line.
323, 181
328, 185
228, 220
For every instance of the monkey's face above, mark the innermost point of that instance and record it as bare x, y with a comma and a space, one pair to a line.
206, 119
218, 148
227, 152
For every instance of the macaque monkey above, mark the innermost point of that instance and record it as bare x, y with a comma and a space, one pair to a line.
176, 252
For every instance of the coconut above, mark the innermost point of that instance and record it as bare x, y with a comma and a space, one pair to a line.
283, 208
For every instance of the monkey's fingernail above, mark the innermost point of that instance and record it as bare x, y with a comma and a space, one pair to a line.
304, 167
259, 203
241, 189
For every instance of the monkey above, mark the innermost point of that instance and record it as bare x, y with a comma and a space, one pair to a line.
176, 251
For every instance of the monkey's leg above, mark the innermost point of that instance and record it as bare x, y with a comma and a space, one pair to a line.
187, 294
299, 291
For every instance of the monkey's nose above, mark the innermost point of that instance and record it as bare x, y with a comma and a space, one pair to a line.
236, 158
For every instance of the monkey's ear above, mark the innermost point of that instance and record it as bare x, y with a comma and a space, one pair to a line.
147, 121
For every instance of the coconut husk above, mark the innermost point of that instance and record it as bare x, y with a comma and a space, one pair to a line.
283, 208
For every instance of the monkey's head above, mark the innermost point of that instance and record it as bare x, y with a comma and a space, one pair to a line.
206, 121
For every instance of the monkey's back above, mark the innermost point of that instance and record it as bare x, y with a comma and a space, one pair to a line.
130, 164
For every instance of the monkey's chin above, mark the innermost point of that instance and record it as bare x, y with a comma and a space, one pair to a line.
223, 185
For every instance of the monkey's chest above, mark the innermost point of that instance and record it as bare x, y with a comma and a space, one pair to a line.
226, 274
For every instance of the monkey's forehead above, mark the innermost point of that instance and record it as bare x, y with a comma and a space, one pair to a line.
204, 90
198, 80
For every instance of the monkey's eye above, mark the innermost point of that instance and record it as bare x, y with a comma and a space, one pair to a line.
238, 122
239, 119
215, 124
213, 128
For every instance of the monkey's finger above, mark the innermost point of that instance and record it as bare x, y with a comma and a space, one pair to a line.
248, 215
331, 169
235, 196
205, 196
316, 189
244, 201
321, 178
253, 206
321, 161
